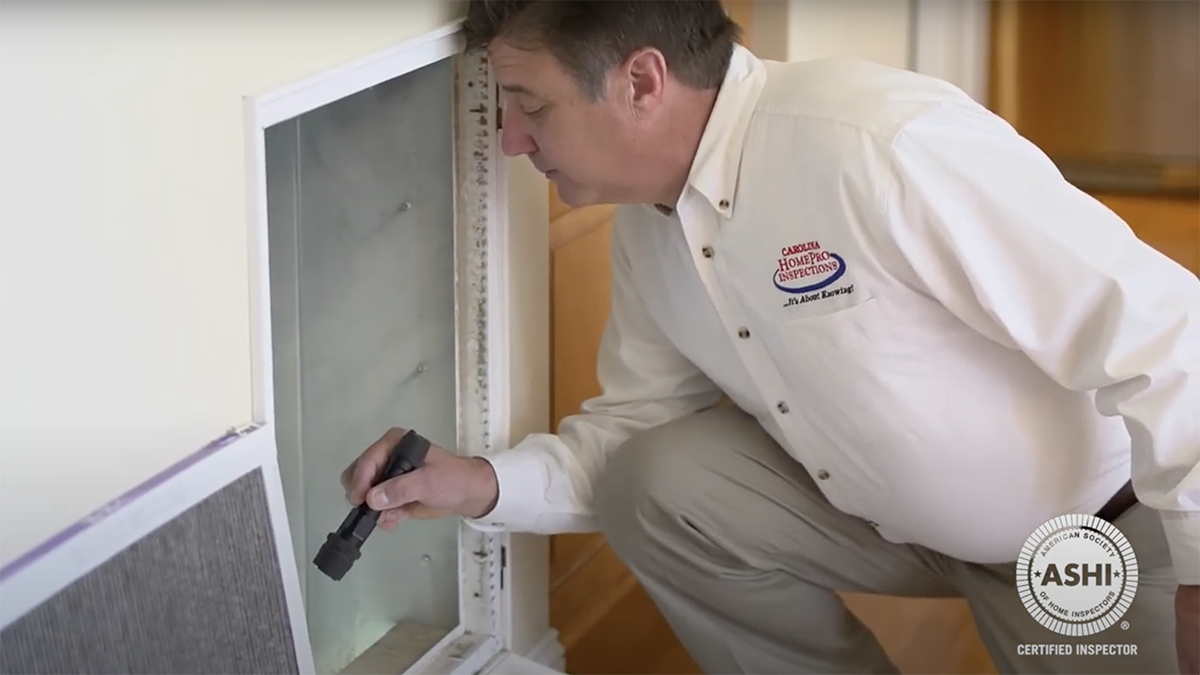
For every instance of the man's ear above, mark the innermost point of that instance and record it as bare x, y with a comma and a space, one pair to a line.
646, 70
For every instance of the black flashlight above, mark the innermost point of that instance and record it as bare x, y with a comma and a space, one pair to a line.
342, 548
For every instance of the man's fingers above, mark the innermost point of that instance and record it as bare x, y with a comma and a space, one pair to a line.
389, 519
365, 470
348, 478
397, 492
359, 476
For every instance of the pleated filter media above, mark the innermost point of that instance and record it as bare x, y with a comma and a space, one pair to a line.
201, 594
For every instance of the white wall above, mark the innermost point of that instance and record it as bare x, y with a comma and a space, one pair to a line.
124, 315
947, 39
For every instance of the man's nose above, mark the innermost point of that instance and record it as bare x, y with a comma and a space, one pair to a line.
514, 140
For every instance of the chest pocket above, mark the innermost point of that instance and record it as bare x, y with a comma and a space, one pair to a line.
839, 331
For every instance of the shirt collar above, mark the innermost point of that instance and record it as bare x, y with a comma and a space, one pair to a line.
718, 158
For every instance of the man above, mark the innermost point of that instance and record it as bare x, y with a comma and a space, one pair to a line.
932, 344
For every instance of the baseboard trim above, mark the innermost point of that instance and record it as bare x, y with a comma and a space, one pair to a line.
549, 652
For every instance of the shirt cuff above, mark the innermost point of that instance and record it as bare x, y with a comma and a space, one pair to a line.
522, 477
1183, 537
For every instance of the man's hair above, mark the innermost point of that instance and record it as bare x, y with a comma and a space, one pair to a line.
590, 37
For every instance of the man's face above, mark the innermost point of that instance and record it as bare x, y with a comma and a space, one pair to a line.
585, 147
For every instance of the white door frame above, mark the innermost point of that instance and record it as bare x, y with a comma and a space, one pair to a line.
948, 39
951, 40
487, 596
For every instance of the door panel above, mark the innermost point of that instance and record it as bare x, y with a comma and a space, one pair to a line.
361, 202
742, 12
585, 576
1171, 224
580, 285
1109, 89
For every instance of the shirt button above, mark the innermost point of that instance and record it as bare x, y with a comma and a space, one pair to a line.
708, 251
822, 474
724, 203
872, 523
783, 407
743, 332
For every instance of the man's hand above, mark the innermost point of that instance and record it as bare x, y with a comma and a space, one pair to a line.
444, 485
1187, 629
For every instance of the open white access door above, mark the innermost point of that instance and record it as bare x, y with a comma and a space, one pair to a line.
384, 254
384, 294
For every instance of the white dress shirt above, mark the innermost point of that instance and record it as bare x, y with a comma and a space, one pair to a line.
956, 343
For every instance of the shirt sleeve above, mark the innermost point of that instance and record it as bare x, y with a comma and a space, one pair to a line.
546, 479
988, 226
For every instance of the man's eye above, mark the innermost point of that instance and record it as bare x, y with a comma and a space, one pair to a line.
533, 112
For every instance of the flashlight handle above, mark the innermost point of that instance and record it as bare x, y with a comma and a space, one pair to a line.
341, 548
408, 455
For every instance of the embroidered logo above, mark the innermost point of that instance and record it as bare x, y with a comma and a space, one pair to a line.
806, 271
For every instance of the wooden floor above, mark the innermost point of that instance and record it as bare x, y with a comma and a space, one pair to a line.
930, 637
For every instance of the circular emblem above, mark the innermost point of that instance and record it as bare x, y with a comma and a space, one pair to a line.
1077, 574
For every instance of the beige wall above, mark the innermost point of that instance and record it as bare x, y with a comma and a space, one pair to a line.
799, 30
124, 316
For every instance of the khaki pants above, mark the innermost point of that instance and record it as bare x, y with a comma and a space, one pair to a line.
743, 555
